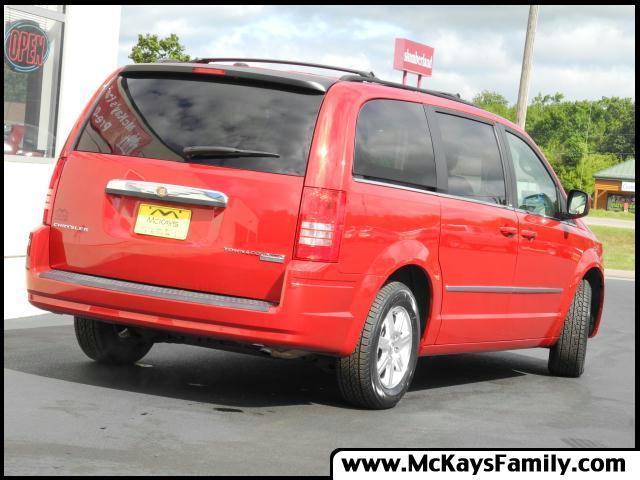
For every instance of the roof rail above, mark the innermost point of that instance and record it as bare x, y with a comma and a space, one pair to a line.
449, 96
360, 73
356, 75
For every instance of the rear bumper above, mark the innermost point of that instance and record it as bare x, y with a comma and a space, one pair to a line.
320, 309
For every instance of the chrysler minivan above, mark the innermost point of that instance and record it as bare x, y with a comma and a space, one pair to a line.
295, 214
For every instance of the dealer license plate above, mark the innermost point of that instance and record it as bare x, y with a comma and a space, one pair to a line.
161, 221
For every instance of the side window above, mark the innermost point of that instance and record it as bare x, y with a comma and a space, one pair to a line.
473, 159
536, 189
393, 143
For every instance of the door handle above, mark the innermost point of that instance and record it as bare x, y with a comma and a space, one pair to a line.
528, 234
508, 231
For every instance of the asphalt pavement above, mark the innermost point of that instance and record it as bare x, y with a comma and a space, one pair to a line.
190, 410
610, 222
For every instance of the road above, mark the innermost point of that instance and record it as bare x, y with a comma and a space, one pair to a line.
609, 222
198, 411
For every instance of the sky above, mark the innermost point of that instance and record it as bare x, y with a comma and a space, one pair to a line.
584, 52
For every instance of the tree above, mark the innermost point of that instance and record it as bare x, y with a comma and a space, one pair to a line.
15, 86
495, 103
581, 176
150, 48
578, 138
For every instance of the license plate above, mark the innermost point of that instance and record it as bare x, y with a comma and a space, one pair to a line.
161, 221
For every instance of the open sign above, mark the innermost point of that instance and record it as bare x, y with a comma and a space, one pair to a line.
26, 46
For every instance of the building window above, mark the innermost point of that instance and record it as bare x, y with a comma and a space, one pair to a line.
32, 57
619, 203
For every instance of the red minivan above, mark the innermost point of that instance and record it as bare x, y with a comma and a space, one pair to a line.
292, 214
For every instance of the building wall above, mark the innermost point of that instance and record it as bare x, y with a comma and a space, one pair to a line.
601, 188
606, 190
90, 52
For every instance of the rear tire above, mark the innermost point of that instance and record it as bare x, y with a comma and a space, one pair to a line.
381, 368
566, 358
110, 343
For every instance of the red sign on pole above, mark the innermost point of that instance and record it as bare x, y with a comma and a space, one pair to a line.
414, 58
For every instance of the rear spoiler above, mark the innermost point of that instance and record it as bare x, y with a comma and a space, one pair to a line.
288, 79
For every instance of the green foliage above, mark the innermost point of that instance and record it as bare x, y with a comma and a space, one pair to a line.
150, 48
581, 175
495, 103
15, 86
601, 213
618, 246
578, 138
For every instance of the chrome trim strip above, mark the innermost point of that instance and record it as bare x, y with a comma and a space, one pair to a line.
429, 192
166, 192
490, 289
571, 222
164, 293
455, 197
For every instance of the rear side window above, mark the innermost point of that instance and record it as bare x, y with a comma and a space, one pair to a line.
393, 144
473, 159
157, 117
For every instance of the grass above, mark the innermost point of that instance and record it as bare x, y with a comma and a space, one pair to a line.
619, 246
608, 214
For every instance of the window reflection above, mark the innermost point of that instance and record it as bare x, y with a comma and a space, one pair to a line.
157, 117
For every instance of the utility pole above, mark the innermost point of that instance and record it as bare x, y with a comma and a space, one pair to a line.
525, 74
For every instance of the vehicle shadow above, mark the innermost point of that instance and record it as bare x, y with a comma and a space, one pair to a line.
448, 370
231, 381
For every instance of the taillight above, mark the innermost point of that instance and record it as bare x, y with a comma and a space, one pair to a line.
28, 258
320, 224
51, 193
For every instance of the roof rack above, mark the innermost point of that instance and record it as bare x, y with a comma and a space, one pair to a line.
449, 96
360, 73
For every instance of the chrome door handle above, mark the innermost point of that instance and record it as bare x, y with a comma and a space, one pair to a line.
528, 234
508, 231
167, 192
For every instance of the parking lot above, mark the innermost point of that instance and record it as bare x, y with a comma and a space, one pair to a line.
192, 410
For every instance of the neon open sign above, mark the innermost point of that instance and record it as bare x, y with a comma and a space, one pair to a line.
26, 46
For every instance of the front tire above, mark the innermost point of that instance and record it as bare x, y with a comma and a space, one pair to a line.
381, 368
566, 358
110, 343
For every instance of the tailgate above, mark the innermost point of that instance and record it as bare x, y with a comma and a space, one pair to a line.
131, 205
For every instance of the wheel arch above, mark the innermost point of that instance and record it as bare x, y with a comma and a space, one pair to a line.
417, 279
596, 281
418, 265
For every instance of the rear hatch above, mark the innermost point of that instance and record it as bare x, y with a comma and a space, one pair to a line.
188, 177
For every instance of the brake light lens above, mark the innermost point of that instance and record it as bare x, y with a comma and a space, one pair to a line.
209, 71
321, 224
51, 192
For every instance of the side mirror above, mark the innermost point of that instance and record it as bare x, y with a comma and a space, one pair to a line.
577, 204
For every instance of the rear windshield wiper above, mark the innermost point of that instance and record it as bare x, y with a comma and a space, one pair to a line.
215, 151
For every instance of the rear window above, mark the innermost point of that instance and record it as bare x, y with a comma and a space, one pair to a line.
393, 144
157, 117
